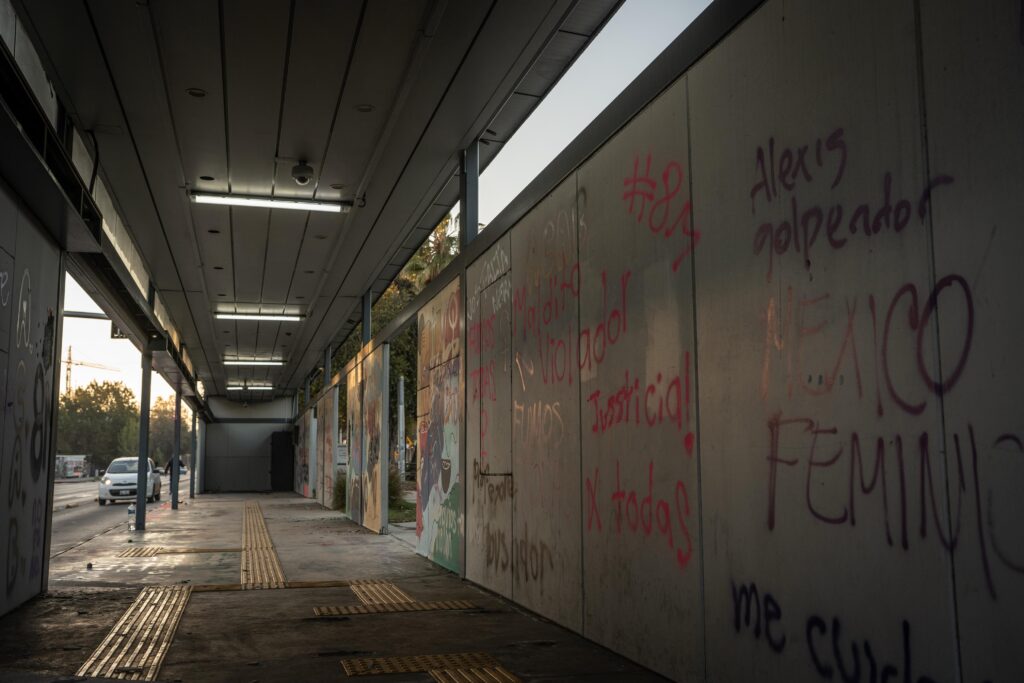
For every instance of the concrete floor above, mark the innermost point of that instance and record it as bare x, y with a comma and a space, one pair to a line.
272, 635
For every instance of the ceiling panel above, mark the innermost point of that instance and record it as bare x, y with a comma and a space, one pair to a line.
284, 240
375, 79
188, 35
318, 67
249, 228
255, 45
446, 131
266, 338
378, 97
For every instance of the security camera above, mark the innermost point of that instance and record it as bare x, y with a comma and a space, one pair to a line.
302, 173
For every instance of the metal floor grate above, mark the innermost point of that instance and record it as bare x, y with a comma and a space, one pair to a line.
373, 592
371, 666
384, 608
135, 648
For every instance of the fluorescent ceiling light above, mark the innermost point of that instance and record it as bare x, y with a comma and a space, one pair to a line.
269, 202
232, 387
236, 361
259, 316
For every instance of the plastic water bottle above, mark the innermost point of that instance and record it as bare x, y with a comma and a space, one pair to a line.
131, 517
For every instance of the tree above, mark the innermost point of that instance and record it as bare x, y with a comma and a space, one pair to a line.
94, 420
161, 432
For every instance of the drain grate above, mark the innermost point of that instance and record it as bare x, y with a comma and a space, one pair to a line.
383, 608
144, 551
135, 648
370, 666
477, 674
373, 592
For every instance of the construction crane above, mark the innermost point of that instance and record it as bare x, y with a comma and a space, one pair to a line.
85, 364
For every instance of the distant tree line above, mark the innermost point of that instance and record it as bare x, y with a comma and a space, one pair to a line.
101, 420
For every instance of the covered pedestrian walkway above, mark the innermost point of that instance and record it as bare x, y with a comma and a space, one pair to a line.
728, 392
262, 587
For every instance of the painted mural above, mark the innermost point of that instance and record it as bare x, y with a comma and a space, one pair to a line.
354, 427
30, 270
302, 454
440, 516
327, 428
375, 439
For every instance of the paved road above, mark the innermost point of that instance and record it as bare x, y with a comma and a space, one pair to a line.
77, 516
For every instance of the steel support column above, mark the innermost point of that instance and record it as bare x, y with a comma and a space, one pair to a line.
469, 194
401, 428
143, 476
176, 454
192, 461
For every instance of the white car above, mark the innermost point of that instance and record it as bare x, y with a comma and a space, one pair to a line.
120, 481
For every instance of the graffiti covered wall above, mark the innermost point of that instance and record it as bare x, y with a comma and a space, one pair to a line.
440, 518
302, 454
375, 440
489, 550
354, 428
741, 390
326, 429
30, 277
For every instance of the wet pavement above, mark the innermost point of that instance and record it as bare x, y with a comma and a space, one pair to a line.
225, 632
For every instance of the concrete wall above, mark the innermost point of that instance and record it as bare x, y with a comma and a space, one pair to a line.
238, 456
237, 445
740, 390
30, 279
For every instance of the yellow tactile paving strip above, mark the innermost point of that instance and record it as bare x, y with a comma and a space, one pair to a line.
154, 550
481, 674
135, 648
373, 592
383, 608
260, 565
370, 666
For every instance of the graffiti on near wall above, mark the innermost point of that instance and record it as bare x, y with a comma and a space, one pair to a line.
375, 460
327, 427
868, 339
660, 203
796, 228
831, 646
354, 423
29, 395
6, 297
440, 484
440, 332
862, 432
302, 452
